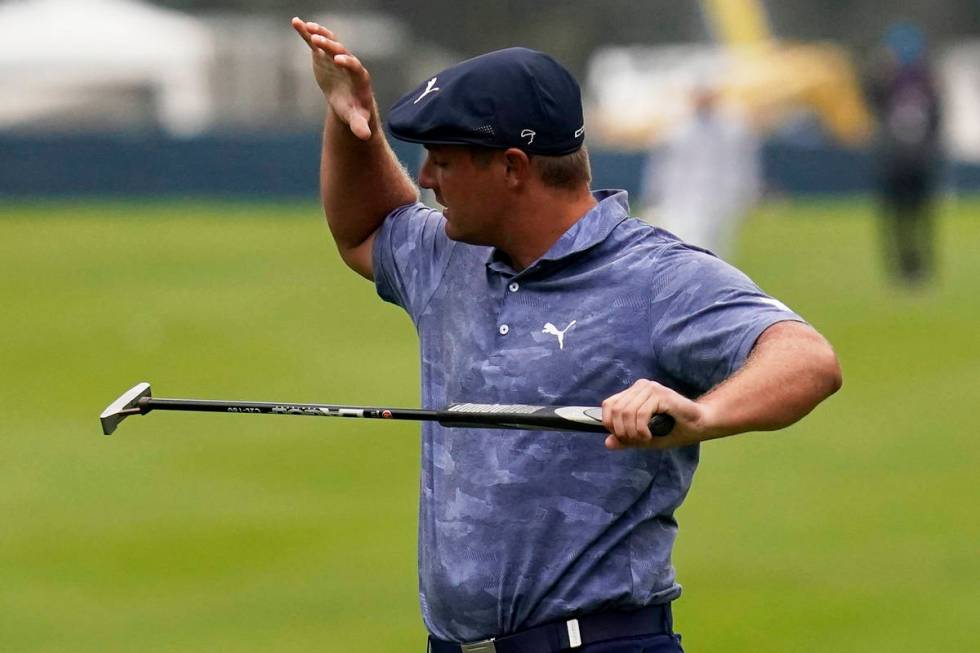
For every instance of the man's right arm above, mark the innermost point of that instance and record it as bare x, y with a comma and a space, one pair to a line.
361, 180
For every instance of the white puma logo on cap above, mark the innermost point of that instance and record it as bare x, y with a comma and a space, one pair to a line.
529, 133
430, 87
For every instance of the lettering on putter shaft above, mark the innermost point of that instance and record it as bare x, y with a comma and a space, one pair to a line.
317, 411
243, 409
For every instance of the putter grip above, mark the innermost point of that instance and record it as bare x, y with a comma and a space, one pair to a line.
661, 425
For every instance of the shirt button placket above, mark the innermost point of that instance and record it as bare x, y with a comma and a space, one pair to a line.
504, 329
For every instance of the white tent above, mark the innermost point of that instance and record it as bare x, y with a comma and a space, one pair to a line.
68, 61
961, 92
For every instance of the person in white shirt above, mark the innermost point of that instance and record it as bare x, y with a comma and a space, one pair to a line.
703, 178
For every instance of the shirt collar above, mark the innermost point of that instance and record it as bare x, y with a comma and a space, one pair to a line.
591, 229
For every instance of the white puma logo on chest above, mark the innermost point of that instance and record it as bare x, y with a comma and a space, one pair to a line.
551, 329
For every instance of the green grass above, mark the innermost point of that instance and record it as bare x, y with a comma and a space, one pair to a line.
855, 530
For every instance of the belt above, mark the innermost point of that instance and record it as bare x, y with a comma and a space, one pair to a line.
570, 634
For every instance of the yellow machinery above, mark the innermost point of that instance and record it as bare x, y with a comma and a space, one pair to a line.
769, 80
773, 77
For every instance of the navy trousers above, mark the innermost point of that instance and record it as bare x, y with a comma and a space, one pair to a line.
647, 644
602, 632
670, 643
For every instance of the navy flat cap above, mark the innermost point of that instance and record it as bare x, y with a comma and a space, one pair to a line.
508, 98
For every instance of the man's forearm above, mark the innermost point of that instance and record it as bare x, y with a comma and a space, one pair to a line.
360, 181
791, 369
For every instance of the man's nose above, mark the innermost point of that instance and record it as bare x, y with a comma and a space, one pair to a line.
426, 179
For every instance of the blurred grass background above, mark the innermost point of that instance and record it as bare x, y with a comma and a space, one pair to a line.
855, 530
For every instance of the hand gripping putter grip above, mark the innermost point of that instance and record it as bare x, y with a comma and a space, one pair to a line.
139, 400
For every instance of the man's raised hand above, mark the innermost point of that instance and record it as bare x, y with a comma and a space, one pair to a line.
345, 82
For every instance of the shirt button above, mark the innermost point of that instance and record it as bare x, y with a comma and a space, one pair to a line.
513, 286
504, 329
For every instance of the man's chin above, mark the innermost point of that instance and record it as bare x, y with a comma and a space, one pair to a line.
453, 233
462, 237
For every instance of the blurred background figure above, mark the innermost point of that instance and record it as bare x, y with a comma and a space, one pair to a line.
906, 100
705, 176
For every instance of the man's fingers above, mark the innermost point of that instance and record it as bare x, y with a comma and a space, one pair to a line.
627, 414
622, 408
300, 27
359, 125
635, 417
344, 81
613, 443
317, 28
645, 413
353, 65
623, 422
608, 410
315, 35
334, 48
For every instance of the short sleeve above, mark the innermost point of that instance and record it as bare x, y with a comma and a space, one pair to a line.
410, 255
707, 316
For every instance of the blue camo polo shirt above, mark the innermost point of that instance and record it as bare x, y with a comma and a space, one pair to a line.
518, 528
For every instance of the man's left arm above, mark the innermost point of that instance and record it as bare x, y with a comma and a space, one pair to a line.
791, 369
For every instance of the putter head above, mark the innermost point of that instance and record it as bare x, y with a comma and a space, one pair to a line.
127, 404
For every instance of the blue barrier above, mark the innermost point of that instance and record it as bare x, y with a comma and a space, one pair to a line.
288, 165
156, 165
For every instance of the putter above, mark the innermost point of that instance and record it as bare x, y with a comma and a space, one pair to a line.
139, 400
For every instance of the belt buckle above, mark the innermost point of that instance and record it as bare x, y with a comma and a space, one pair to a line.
483, 646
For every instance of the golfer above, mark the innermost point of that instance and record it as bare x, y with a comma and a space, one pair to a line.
528, 288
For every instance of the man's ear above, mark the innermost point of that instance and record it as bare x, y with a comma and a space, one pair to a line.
518, 167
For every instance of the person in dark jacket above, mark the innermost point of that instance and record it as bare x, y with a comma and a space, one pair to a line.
907, 103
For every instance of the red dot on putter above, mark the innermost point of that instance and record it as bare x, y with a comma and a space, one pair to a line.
386, 413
